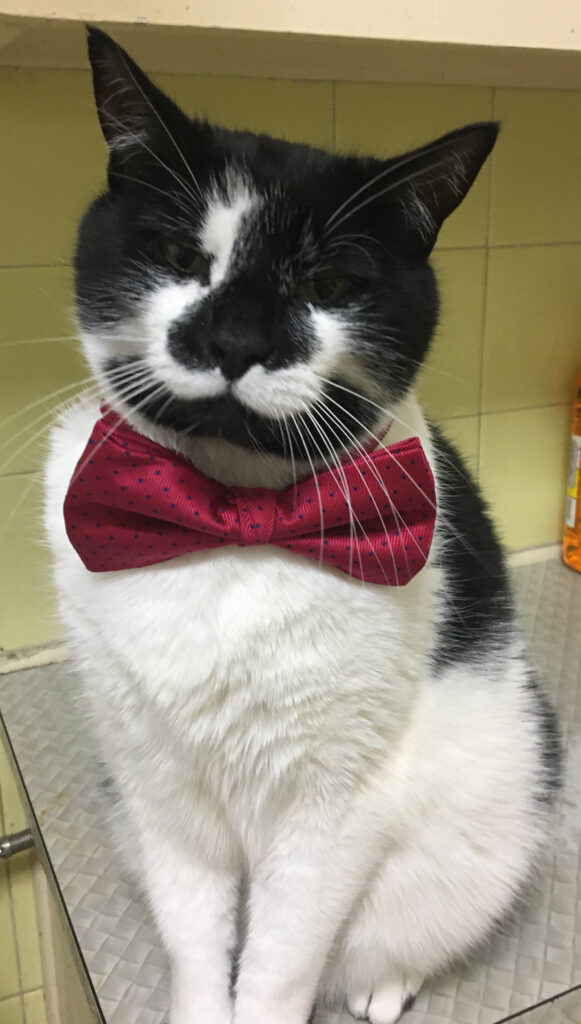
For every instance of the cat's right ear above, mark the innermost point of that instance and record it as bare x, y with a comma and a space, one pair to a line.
135, 115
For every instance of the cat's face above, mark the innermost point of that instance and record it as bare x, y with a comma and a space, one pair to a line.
240, 288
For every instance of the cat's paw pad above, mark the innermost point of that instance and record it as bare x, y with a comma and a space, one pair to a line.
385, 1004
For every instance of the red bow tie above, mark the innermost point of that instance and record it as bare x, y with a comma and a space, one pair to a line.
132, 503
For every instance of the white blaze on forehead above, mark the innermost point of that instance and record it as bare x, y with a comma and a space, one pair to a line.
222, 225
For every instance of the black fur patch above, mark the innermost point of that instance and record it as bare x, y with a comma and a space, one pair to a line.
478, 600
408, 1003
550, 739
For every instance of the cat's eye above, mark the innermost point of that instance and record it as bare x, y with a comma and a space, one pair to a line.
188, 260
325, 289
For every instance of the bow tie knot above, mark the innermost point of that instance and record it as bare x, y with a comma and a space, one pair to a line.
249, 515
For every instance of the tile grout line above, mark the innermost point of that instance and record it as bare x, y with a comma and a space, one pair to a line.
524, 245
31, 991
36, 266
22, 472
461, 83
498, 412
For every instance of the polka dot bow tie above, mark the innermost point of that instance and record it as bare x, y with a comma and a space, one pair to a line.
132, 503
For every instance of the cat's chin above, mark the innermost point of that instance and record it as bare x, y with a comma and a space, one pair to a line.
234, 465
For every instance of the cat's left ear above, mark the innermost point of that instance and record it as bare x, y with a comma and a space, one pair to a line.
429, 183
137, 119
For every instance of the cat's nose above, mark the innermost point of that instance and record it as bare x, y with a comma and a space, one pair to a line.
236, 352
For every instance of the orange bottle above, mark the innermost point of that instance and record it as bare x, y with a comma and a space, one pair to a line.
572, 533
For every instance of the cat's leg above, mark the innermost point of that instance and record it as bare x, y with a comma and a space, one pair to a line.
194, 903
471, 833
366, 971
429, 904
298, 897
394, 940
361, 973
418, 915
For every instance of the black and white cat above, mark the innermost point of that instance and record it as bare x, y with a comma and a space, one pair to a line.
368, 769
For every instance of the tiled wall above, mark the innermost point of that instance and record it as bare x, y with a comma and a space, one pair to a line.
509, 344
21, 981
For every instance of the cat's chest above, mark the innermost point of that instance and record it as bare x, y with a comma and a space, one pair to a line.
249, 671
236, 635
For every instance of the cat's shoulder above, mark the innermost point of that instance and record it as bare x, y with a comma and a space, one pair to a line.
68, 438
66, 443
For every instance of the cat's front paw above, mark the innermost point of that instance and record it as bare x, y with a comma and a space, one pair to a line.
202, 1010
386, 1003
199, 1016
272, 1011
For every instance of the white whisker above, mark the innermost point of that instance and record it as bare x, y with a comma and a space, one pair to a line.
307, 453
292, 456
107, 435
37, 341
45, 398
17, 506
352, 514
440, 513
353, 538
361, 451
47, 417
342, 447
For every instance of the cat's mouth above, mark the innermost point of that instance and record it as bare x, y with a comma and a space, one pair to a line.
285, 417
252, 411
223, 417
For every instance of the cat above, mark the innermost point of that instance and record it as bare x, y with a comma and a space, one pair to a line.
337, 786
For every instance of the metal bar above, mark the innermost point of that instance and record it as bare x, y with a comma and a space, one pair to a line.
16, 843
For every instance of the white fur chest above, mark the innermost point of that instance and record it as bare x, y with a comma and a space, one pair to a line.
238, 664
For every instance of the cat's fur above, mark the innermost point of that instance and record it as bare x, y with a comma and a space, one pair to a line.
368, 768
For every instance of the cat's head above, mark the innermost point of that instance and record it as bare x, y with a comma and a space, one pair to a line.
251, 293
